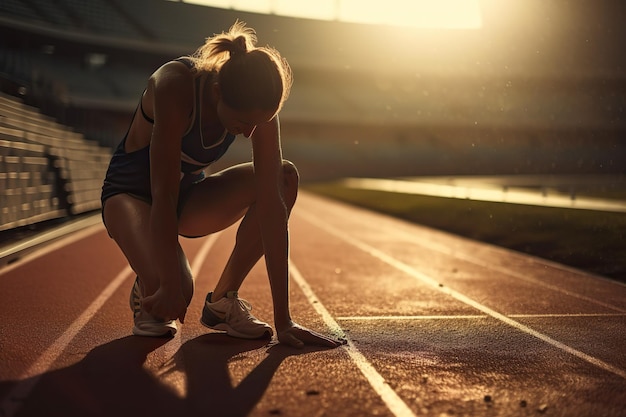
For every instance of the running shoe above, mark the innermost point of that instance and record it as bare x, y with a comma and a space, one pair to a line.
145, 324
232, 315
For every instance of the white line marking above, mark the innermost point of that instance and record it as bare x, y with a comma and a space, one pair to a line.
475, 316
378, 383
377, 318
198, 261
461, 297
530, 316
27, 381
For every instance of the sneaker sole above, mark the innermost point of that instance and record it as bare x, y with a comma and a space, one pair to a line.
234, 333
159, 331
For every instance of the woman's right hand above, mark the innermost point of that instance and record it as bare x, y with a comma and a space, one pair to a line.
166, 305
297, 336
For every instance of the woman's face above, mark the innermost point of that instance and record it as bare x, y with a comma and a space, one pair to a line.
238, 121
241, 122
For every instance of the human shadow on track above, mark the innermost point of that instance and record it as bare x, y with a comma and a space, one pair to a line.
111, 380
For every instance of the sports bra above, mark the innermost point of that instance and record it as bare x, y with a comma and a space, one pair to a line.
196, 154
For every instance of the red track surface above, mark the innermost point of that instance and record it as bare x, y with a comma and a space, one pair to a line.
436, 325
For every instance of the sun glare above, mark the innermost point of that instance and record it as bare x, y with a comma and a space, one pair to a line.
445, 14
432, 14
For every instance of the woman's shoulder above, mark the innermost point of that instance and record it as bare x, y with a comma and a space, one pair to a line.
171, 77
173, 70
171, 88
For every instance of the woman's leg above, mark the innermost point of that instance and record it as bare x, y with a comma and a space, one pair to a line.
222, 199
127, 221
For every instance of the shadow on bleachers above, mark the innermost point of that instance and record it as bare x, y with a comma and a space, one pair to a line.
47, 171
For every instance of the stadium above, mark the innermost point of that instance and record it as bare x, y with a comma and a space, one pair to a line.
477, 268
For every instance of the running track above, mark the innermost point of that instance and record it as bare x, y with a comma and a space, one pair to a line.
436, 325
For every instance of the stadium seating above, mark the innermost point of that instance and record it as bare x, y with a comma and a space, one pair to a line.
46, 170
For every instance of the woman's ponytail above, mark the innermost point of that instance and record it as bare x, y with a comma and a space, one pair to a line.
238, 40
249, 77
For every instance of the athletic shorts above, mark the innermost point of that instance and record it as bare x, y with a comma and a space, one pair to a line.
129, 173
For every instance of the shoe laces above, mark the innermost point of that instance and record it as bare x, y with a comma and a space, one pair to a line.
136, 298
239, 309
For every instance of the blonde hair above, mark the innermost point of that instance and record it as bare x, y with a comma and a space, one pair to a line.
250, 77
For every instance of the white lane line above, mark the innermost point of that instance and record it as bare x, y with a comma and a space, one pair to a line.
389, 396
474, 316
409, 270
27, 381
198, 261
391, 318
531, 316
169, 373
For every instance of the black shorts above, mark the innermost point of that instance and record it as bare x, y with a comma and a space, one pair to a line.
186, 186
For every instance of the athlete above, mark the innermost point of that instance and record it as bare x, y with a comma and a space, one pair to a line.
156, 188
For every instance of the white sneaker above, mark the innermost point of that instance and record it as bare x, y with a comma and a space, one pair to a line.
232, 315
145, 324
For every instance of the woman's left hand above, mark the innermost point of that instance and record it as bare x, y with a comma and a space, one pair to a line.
298, 336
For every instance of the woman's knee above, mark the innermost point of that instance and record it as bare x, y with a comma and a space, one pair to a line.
292, 179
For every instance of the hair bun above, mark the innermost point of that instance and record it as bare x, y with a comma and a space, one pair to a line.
239, 46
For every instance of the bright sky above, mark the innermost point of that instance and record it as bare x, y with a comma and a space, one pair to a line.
447, 14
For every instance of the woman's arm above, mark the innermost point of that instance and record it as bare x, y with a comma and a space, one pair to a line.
170, 91
273, 223
272, 214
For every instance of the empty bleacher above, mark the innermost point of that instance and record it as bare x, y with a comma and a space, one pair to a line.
47, 171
